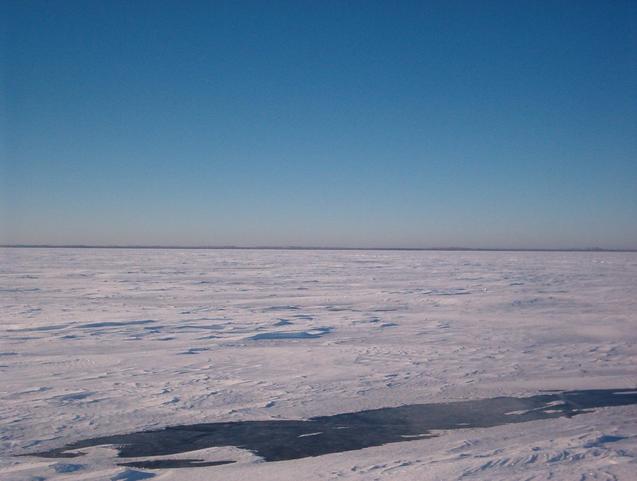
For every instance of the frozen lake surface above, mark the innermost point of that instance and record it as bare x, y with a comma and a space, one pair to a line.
105, 343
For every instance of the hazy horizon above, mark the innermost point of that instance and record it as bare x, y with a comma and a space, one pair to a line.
410, 125
315, 247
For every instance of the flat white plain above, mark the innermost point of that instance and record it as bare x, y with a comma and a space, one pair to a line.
106, 341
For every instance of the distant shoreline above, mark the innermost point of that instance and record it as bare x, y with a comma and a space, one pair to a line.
311, 248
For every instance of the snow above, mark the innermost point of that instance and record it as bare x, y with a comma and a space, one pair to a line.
105, 341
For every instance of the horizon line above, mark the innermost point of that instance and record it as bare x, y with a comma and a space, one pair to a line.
313, 248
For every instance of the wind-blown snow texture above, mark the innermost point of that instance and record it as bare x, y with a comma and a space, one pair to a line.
99, 342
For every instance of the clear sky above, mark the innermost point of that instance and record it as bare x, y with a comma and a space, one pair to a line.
326, 123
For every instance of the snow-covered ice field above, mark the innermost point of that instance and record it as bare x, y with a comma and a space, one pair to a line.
109, 341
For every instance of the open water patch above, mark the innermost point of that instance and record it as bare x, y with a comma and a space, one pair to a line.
282, 440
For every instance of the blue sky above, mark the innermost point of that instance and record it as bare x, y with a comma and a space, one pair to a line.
411, 124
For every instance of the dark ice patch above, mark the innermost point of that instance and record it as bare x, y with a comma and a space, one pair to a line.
195, 350
282, 322
280, 308
310, 334
94, 325
210, 327
67, 468
281, 440
132, 475
173, 463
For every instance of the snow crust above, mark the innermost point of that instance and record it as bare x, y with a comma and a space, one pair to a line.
105, 341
